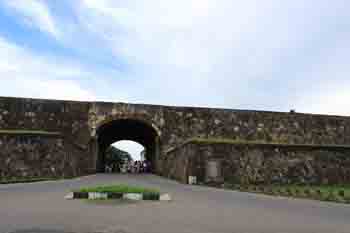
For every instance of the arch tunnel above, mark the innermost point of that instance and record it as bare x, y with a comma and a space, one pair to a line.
127, 129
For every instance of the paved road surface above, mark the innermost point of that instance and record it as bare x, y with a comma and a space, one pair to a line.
41, 208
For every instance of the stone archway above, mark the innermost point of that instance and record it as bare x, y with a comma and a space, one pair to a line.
131, 129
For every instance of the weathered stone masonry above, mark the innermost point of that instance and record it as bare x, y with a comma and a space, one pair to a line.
43, 138
260, 163
72, 136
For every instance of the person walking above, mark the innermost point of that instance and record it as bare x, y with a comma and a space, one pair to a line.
144, 166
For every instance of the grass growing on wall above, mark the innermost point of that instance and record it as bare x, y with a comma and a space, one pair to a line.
225, 141
279, 143
28, 132
257, 142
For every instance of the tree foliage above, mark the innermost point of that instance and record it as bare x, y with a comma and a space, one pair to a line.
116, 156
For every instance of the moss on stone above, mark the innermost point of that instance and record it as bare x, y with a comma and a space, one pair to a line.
29, 132
256, 142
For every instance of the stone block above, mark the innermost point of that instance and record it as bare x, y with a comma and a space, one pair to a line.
69, 196
133, 196
165, 197
94, 196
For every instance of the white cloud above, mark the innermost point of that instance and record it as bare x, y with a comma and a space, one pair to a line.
330, 95
219, 53
53, 89
210, 53
34, 13
328, 101
131, 147
25, 74
248, 54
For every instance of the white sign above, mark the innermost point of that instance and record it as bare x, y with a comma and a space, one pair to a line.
192, 180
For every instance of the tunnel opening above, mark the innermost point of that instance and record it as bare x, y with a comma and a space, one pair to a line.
109, 134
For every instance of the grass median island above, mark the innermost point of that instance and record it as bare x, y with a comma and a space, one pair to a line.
333, 193
120, 188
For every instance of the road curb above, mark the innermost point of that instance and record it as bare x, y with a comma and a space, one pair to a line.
126, 196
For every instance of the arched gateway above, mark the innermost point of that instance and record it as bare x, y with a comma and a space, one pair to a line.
127, 129
52, 138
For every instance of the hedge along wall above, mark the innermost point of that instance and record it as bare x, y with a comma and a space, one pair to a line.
259, 163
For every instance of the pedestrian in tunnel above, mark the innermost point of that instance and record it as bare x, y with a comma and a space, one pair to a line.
144, 166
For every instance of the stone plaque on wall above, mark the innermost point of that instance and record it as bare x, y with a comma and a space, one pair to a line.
213, 170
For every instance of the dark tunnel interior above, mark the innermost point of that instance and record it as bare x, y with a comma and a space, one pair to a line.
127, 129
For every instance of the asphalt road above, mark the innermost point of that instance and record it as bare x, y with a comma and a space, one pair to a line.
41, 208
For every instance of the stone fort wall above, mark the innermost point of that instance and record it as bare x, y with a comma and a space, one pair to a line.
77, 122
178, 124
238, 162
43, 138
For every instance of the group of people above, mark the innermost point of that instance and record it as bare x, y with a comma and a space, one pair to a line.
136, 167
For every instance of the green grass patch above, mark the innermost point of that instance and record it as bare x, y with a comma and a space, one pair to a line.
25, 180
333, 193
120, 188
308, 189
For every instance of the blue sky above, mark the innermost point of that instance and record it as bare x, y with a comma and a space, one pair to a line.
248, 54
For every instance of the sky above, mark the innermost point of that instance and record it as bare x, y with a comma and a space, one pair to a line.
132, 147
252, 54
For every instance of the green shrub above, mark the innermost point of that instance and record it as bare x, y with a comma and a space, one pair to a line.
333, 193
308, 192
289, 191
341, 193
331, 197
